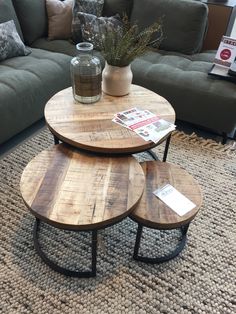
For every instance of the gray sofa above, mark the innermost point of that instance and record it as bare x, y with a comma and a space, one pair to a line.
177, 71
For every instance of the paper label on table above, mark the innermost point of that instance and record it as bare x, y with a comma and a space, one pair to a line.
174, 199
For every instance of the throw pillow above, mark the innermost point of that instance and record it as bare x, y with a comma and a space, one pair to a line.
87, 6
59, 19
10, 43
121, 7
93, 27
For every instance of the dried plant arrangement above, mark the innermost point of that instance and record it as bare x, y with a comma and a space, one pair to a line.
121, 45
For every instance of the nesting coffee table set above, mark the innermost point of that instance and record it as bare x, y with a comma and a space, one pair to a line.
91, 180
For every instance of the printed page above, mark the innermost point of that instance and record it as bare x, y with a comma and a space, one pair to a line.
156, 130
132, 117
226, 52
174, 199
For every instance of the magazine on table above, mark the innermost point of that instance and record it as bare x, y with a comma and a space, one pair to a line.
225, 60
145, 123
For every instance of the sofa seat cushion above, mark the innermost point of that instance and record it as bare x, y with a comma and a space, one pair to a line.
61, 46
57, 45
184, 81
26, 84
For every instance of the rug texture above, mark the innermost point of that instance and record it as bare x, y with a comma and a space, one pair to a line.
202, 279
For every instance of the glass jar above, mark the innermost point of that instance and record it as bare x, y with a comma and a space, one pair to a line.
86, 74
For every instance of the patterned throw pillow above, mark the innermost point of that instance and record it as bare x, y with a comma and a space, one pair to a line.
10, 43
94, 7
93, 27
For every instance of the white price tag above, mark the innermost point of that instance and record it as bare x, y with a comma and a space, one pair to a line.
174, 199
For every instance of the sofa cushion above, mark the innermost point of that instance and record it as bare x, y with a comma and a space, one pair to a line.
59, 19
57, 45
184, 22
184, 81
94, 27
112, 7
26, 84
88, 6
62, 46
11, 44
7, 13
32, 17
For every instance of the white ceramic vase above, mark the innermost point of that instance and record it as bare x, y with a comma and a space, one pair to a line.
116, 81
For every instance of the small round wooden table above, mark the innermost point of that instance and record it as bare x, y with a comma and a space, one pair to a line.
90, 126
151, 212
80, 192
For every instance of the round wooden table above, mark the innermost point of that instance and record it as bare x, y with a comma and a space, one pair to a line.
80, 192
151, 212
90, 126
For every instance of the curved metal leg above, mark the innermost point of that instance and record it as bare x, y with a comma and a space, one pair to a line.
161, 259
60, 269
153, 155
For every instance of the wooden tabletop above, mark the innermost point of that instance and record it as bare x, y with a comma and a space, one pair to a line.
78, 191
151, 211
90, 126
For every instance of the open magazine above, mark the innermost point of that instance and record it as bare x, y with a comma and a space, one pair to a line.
225, 59
145, 123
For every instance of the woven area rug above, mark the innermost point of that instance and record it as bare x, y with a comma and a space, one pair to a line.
200, 280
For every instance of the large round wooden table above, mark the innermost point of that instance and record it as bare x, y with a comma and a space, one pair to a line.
90, 126
78, 191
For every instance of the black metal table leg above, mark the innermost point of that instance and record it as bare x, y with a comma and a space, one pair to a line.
153, 155
166, 148
62, 270
161, 259
56, 140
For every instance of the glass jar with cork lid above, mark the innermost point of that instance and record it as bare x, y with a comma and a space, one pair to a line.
86, 74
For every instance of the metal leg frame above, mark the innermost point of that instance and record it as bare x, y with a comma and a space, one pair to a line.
166, 148
154, 156
161, 259
62, 270
56, 140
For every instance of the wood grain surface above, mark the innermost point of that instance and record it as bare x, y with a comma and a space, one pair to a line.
151, 211
79, 191
90, 126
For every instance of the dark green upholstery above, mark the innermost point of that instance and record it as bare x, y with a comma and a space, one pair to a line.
32, 17
7, 12
184, 22
26, 84
183, 80
61, 46
112, 7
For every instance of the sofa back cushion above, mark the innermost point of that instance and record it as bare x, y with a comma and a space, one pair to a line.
7, 13
112, 7
184, 22
32, 17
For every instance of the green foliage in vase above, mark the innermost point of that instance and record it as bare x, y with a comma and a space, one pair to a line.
121, 46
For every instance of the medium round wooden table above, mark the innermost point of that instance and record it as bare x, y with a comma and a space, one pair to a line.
80, 192
90, 126
151, 212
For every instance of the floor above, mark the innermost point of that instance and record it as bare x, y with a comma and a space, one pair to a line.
39, 126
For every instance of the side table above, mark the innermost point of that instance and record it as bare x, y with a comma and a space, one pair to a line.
151, 212
77, 191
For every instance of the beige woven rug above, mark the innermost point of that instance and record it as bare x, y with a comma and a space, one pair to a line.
201, 280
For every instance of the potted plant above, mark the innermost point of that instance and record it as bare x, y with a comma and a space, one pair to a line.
119, 47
